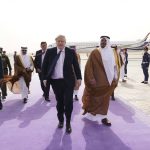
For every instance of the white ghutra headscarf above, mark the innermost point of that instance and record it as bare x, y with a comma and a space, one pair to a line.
108, 60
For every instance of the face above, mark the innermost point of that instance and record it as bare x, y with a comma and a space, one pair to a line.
145, 49
44, 46
103, 43
24, 52
61, 42
125, 50
116, 48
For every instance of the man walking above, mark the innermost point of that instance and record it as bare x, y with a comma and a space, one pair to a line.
59, 66
101, 78
1, 76
24, 67
39, 57
145, 65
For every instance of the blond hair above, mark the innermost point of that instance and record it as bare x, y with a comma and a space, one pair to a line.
60, 37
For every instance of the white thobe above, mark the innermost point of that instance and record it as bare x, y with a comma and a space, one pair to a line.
27, 62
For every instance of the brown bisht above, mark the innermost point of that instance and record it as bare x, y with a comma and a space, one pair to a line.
20, 71
76, 87
96, 97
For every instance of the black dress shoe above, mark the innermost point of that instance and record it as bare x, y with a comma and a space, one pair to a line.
25, 100
68, 128
113, 98
106, 122
60, 125
142, 82
1, 106
76, 98
3, 97
47, 99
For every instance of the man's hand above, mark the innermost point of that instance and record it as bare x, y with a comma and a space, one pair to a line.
24, 70
28, 69
38, 70
45, 82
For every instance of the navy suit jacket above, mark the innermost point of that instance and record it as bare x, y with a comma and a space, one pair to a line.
1, 68
38, 60
71, 69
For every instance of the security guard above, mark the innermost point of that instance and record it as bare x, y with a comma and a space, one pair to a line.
145, 65
126, 62
6, 66
1, 67
1, 75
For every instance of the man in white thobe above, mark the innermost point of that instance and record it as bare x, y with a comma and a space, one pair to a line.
23, 70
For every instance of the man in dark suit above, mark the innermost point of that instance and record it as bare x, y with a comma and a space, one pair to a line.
39, 57
1, 65
126, 62
1, 76
62, 78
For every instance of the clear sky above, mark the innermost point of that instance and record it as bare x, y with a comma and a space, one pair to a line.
28, 22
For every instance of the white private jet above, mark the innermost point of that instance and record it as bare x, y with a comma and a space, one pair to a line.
87, 47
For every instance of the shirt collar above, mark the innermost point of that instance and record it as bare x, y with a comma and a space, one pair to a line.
44, 51
59, 50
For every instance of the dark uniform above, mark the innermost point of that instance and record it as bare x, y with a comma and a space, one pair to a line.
1, 68
1, 77
125, 64
145, 66
6, 67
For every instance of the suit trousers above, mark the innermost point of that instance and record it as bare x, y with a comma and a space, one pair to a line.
125, 68
44, 89
64, 98
145, 72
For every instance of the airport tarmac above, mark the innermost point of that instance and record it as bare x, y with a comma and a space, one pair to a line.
33, 126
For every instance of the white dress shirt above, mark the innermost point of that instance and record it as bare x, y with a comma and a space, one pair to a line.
58, 71
43, 55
